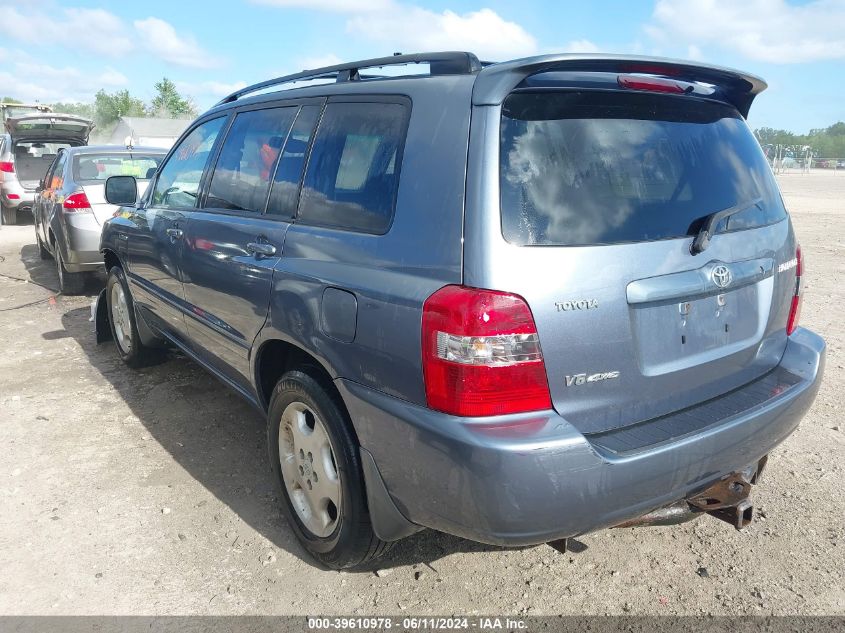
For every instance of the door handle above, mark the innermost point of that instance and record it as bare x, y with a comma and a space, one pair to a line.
261, 249
175, 234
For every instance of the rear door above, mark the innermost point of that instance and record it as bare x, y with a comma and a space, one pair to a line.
43, 200
601, 193
50, 199
236, 239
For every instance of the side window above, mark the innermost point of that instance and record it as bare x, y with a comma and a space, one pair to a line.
284, 196
353, 172
57, 176
48, 177
242, 175
179, 180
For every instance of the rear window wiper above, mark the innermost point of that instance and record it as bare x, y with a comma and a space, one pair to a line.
710, 222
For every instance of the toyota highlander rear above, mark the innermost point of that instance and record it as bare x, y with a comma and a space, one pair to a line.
624, 347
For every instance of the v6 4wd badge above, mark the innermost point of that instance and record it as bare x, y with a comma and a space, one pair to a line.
580, 379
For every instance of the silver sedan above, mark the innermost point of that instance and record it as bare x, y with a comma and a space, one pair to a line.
70, 207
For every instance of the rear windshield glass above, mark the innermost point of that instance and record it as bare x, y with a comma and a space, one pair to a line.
90, 167
584, 167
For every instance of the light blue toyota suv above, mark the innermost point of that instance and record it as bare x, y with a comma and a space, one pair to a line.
514, 302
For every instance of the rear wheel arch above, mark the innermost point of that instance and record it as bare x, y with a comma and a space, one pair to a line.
274, 357
55, 242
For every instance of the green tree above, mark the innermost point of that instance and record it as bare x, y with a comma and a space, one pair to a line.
10, 100
826, 142
168, 101
767, 135
108, 108
80, 109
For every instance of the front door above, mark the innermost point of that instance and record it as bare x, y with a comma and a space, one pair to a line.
155, 248
236, 238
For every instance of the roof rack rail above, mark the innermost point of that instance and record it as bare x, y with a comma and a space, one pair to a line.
440, 63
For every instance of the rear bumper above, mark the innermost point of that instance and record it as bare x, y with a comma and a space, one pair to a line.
83, 244
539, 479
20, 197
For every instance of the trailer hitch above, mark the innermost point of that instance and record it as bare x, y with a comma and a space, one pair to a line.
727, 500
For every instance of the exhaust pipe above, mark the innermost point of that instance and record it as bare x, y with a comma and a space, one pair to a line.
673, 514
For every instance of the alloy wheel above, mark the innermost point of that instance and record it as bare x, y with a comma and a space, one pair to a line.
309, 469
120, 318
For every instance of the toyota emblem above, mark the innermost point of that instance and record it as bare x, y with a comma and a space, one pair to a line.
722, 276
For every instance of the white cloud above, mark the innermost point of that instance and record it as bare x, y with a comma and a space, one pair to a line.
102, 32
411, 29
88, 29
32, 80
162, 40
762, 30
335, 6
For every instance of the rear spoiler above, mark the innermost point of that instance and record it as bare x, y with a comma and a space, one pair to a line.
495, 82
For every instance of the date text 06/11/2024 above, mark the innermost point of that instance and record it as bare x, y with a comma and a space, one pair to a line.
409, 623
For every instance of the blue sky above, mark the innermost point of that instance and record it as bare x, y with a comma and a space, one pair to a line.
51, 50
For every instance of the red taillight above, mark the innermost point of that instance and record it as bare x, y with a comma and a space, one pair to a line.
76, 202
653, 84
481, 354
795, 305
7, 167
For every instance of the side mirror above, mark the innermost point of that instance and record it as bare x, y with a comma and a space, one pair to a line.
40, 187
121, 190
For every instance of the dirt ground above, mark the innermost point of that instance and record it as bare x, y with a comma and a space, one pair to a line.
148, 492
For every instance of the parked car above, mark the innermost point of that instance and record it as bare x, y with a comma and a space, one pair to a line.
71, 208
29, 146
513, 302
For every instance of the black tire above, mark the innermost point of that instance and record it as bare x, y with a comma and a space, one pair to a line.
352, 544
43, 253
69, 283
137, 355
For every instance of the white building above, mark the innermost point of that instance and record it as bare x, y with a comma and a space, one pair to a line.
148, 131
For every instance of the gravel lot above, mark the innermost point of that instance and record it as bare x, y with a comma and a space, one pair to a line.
148, 492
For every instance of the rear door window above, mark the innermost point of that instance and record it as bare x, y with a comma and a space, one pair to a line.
582, 167
353, 172
248, 158
285, 193
57, 176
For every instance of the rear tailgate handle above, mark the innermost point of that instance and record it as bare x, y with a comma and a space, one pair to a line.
689, 283
261, 249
